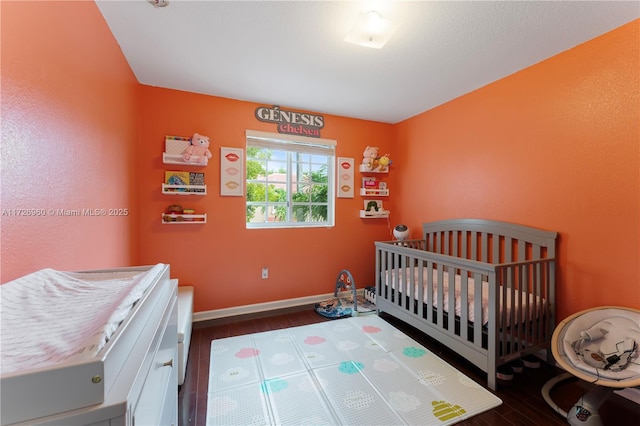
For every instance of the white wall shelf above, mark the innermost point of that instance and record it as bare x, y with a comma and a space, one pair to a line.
365, 169
183, 219
195, 160
374, 192
184, 189
374, 215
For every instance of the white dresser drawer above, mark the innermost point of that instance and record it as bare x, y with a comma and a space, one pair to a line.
158, 401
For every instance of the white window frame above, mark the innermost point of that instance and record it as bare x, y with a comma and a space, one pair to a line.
294, 144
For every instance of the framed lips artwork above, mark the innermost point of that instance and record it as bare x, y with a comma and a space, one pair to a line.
231, 172
345, 177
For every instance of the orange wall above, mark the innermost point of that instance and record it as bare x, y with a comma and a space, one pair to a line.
223, 259
555, 146
69, 125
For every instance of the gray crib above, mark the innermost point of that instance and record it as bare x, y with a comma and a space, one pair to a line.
485, 289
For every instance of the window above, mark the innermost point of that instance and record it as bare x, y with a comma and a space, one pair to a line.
289, 181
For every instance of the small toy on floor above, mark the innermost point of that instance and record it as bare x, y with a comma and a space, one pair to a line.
345, 301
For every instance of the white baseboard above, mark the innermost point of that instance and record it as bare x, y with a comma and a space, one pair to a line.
259, 307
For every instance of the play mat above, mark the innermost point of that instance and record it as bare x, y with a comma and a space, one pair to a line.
352, 371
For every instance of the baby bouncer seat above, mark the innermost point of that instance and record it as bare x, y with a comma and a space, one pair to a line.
600, 346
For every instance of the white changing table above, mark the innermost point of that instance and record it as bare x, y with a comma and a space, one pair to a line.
132, 382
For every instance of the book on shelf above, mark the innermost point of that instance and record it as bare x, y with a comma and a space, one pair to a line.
184, 179
196, 178
176, 145
176, 178
372, 186
373, 207
369, 182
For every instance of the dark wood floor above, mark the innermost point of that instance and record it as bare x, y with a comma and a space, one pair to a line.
522, 400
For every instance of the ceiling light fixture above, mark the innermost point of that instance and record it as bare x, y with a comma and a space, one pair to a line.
371, 30
159, 3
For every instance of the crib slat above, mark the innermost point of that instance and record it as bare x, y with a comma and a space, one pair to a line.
522, 251
420, 296
429, 291
451, 309
485, 248
549, 314
394, 279
402, 272
493, 349
400, 282
445, 248
536, 332
477, 308
464, 305
474, 246
465, 250
526, 314
440, 280
513, 325
502, 312
407, 301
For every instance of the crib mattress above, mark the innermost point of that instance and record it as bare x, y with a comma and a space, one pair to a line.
520, 297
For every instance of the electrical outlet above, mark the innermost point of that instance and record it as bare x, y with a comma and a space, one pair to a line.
265, 273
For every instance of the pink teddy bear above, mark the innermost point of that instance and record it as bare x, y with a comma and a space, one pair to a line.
199, 147
369, 157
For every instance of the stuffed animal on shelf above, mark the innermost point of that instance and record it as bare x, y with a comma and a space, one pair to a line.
199, 147
383, 163
369, 157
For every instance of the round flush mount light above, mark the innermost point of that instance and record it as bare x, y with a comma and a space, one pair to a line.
159, 3
371, 29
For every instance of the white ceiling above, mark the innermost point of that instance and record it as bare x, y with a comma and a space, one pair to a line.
292, 53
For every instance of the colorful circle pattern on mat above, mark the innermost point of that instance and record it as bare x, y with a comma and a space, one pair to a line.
223, 405
247, 353
218, 349
281, 358
385, 365
347, 345
404, 402
431, 378
276, 385
314, 340
350, 367
358, 399
413, 352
